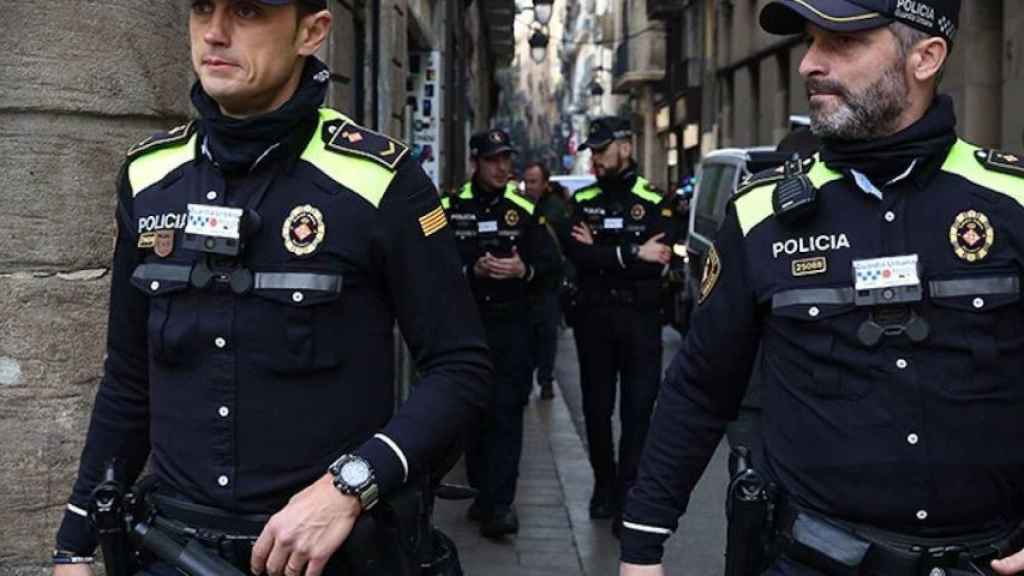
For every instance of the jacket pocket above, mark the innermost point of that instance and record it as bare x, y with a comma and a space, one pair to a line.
308, 308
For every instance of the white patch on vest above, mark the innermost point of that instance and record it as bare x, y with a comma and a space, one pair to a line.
810, 244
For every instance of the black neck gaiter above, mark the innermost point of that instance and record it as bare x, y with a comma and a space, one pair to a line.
883, 159
620, 182
237, 144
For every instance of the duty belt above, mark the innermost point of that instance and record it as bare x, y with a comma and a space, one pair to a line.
847, 549
231, 536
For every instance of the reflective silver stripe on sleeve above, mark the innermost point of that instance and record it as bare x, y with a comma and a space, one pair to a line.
974, 287
398, 452
77, 511
618, 254
297, 281
164, 272
648, 529
812, 296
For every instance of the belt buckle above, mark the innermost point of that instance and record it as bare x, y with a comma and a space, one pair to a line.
940, 557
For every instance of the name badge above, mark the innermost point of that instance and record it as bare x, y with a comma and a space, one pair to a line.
216, 221
891, 272
613, 223
487, 226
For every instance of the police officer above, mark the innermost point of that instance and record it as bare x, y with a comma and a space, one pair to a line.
504, 250
264, 253
881, 279
622, 229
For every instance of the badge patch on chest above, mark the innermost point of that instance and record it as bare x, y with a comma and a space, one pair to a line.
303, 230
712, 271
810, 266
511, 217
163, 245
637, 212
972, 236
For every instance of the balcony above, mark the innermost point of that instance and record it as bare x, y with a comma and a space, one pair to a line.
638, 61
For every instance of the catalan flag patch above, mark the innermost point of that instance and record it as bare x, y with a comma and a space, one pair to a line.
433, 221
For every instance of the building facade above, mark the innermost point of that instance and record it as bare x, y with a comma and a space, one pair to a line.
727, 83
70, 105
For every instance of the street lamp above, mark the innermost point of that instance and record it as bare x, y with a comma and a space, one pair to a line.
538, 46
542, 10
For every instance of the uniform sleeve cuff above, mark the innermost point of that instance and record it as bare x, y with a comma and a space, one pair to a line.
76, 533
389, 462
642, 546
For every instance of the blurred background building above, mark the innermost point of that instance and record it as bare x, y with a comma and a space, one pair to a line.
722, 82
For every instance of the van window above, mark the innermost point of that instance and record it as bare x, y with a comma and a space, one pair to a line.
715, 188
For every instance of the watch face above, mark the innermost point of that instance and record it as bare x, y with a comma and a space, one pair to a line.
355, 473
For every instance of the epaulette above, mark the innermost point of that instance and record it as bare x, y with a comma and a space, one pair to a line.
1001, 162
346, 137
770, 176
586, 193
162, 140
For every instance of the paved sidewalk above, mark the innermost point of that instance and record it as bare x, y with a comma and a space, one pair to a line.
545, 544
557, 536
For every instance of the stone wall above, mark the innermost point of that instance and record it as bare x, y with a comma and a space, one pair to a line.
81, 82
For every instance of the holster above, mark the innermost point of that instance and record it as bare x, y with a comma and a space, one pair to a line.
749, 510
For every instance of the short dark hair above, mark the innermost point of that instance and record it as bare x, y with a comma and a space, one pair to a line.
303, 9
544, 170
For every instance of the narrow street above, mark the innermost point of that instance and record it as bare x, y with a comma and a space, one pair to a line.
556, 535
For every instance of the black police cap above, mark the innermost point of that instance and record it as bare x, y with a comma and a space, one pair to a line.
603, 131
936, 17
490, 143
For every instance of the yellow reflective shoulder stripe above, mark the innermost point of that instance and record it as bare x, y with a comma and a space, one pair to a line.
820, 174
518, 200
467, 191
640, 189
366, 178
961, 162
755, 204
150, 168
588, 193
446, 202
754, 207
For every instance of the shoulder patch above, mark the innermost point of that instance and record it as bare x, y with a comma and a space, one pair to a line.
1001, 161
346, 137
162, 139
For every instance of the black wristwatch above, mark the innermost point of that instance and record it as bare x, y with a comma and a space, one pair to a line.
353, 476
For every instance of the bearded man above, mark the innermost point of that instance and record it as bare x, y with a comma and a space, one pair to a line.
880, 281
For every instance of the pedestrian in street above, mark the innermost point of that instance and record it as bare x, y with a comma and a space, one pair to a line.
884, 294
263, 254
545, 311
505, 250
620, 245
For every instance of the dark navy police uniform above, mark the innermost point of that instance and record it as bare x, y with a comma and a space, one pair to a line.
241, 391
485, 221
904, 431
618, 327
